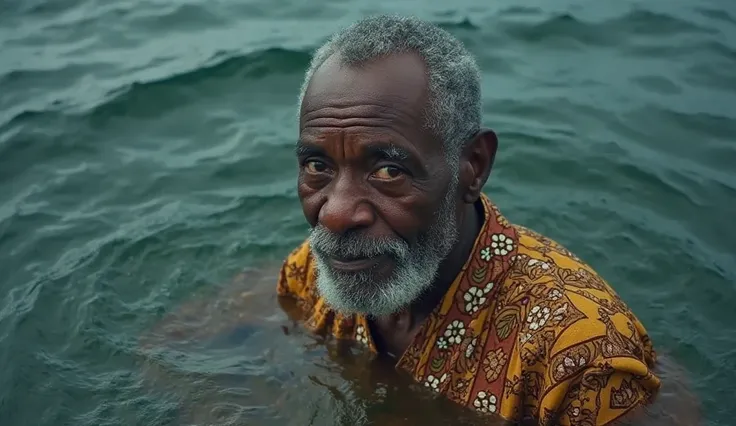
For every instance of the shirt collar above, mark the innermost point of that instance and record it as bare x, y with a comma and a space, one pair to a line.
492, 255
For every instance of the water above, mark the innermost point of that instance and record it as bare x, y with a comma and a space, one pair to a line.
146, 158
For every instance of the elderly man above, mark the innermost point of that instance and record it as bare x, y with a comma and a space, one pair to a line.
408, 257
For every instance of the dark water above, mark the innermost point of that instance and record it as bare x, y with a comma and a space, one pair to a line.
146, 158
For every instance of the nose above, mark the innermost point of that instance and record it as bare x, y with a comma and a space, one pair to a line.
346, 208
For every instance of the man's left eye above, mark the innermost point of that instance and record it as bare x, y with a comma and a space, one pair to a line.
388, 173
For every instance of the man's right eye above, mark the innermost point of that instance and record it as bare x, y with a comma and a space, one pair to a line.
314, 166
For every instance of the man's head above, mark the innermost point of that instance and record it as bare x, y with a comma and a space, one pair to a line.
390, 150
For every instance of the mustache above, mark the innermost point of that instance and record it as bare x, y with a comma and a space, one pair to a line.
353, 244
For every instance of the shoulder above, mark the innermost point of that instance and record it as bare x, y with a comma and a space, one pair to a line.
296, 277
563, 294
549, 272
578, 343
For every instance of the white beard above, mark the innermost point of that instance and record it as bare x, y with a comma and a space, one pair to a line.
415, 271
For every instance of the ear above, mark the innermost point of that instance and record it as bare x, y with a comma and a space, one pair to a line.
477, 158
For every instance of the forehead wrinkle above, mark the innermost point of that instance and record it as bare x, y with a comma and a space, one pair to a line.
360, 133
365, 111
375, 118
336, 123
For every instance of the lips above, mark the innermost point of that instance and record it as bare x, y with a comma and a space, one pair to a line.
355, 264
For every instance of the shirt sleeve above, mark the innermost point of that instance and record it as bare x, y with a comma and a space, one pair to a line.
603, 393
297, 274
599, 380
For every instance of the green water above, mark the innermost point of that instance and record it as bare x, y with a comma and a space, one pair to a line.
146, 157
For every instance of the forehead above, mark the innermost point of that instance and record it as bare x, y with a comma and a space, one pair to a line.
388, 92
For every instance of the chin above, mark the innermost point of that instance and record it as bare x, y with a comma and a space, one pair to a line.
375, 292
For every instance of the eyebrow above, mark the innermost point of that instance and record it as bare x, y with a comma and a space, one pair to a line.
389, 152
306, 149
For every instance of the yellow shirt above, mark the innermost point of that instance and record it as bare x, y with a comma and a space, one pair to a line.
526, 331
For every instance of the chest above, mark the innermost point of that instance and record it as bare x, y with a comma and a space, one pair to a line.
393, 336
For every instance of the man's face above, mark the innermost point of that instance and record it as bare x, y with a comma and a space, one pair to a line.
374, 185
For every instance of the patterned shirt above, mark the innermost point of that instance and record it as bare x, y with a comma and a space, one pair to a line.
526, 331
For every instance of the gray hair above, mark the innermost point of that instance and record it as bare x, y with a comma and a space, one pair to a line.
453, 112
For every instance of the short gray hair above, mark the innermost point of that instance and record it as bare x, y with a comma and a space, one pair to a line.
453, 112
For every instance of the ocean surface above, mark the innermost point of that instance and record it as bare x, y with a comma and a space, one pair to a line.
146, 159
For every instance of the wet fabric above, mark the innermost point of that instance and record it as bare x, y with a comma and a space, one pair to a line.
526, 331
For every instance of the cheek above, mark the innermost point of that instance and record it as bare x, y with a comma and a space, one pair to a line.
310, 200
420, 212
407, 216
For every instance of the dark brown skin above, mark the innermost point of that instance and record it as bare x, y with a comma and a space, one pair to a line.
349, 115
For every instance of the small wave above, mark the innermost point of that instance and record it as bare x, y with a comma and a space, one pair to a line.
444, 19
717, 14
647, 22
714, 48
515, 11
563, 25
603, 33
185, 17
652, 181
36, 76
719, 125
156, 95
463, 24
152, 97
36, 7
657, 84
28, 115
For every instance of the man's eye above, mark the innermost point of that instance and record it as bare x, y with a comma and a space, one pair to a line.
314, 166
388, 173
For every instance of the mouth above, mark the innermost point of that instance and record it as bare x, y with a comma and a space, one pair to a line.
356, 264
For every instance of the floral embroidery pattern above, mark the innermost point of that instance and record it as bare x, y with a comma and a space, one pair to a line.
625, 396
525, 338
298, 272
433, 382
442, 343
571, 361
360, 335
559, 314
455, 332
544, 265
554, 294
476, 297
501, 244
467, 361
493, 364
485, 254
485, 403
538, 317
470, 348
